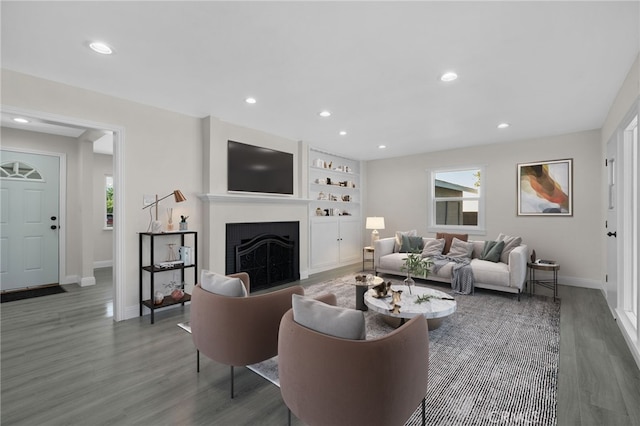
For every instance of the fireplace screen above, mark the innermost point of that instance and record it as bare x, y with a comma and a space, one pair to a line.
267, 251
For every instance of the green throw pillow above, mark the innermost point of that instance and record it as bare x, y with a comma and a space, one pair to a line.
492, 251
411, 244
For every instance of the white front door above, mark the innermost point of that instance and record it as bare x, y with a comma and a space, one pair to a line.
29, 217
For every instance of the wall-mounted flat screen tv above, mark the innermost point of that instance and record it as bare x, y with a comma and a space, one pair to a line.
253, 168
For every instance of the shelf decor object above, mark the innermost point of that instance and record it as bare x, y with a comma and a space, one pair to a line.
375, 223
545, 188
155, 225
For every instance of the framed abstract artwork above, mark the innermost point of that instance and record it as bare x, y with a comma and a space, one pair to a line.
545, 188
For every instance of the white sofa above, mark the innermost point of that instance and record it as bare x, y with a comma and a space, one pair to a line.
499, 276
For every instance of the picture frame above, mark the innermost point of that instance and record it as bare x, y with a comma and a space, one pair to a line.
545, 188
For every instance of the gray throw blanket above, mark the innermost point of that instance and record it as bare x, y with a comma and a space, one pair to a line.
462, 275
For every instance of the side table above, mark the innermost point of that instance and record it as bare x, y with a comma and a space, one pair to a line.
361, 290
548, 283
372, 259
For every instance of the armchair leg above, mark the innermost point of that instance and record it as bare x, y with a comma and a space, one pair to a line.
232, 382
424, 420
288, 416
197, 360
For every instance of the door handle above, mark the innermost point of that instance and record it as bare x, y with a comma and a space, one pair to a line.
612, 234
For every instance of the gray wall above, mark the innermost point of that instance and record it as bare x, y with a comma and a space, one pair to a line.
397, 190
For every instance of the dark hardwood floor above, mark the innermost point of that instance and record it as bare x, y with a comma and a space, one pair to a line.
65, 362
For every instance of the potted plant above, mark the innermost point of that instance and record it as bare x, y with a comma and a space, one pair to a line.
415, 265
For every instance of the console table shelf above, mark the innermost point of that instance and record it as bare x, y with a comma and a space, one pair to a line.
149, 264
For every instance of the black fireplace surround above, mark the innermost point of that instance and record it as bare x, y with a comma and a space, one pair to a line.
268, 251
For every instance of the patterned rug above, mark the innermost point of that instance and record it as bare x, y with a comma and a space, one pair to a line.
494, 361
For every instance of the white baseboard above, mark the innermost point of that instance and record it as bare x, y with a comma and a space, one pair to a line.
580, 282
103, 264
70, 279
134, 311
87, 281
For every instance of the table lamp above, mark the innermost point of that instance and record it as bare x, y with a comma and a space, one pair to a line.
375, 223
156, 225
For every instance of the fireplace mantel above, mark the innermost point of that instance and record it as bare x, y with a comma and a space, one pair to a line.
250, 198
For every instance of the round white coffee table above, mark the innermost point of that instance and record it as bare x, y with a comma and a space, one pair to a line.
434, 310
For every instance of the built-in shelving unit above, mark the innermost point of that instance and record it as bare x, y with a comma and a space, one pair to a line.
334, 210
334, 185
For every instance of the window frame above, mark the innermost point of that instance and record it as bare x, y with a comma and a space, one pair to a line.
432, 226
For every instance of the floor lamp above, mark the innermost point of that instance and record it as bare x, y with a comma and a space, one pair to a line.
375, 223
156, 225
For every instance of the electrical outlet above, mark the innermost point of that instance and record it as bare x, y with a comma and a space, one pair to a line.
148, 199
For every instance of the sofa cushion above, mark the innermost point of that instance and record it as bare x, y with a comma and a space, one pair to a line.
460, 248
332, 320
448, 239
222, 284
411, 244
509, 244
495, 273
492, 251
399, 234
433, 247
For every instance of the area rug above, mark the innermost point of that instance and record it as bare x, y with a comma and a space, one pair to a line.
30, 293
494, 361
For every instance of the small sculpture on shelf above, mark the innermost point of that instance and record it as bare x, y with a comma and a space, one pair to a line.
183, 223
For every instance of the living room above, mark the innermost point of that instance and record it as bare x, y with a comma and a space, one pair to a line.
158, 150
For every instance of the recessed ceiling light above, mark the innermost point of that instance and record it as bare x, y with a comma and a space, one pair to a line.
382, 146
324, 113
101, 48
20, 120
250, 100
448, 76
503, 125
343, 133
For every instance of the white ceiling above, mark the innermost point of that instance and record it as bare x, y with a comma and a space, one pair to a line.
545, 67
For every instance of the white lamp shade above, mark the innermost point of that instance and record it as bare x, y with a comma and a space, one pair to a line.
375, 222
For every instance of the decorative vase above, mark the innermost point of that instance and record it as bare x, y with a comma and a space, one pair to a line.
409, 282
183, 226
177, 294
158, 298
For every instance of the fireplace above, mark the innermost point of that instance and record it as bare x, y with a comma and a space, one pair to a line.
268, 251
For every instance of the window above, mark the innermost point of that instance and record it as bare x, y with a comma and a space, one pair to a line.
456, 202
19, 171
109, 201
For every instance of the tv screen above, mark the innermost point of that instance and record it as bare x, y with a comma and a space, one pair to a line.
256, 169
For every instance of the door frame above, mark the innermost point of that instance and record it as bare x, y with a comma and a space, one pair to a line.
62, 208
624, 229
119, 258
